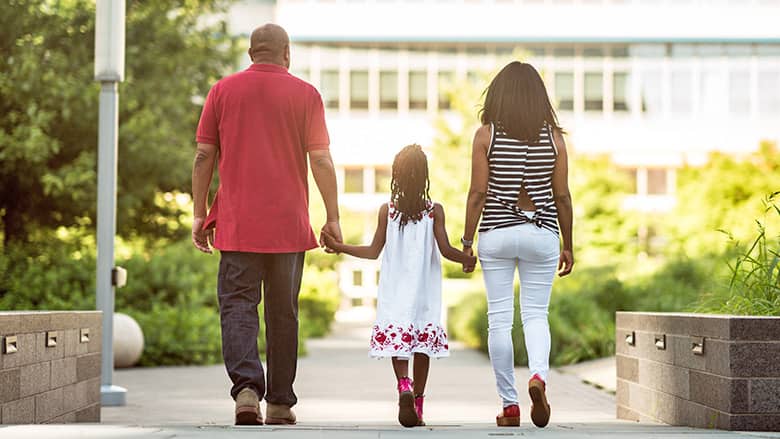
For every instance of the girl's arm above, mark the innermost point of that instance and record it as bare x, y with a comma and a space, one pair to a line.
363, 251
448, 251
480, 172
562, 197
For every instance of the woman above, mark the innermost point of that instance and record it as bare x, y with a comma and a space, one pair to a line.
519, 188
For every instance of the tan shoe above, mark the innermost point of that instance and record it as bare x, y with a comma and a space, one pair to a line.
248, 408
279, 414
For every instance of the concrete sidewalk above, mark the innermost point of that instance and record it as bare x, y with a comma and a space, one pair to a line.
338, 383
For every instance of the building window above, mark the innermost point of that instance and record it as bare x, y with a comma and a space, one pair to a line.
382, 177
564, 91
619, 52
594, 92
682, 99
593, 52
652, 92
769, 92
445, 88
656, 181
739, 92
358, 90
357, 278
329, 87
353, 180
418, 90
563, 52
620, 92
712, 83
388, 90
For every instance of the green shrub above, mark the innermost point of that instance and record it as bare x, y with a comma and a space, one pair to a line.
582, 309
171, 292
754, 281
318, 301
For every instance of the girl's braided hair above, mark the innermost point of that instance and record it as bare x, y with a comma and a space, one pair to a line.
410, 184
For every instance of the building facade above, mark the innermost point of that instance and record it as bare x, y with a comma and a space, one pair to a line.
654, 84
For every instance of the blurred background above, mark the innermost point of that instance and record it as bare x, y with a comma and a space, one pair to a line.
671, 107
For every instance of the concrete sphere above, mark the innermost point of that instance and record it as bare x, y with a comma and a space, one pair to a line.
128, 341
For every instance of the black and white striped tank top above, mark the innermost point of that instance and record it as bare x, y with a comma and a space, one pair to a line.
516, 164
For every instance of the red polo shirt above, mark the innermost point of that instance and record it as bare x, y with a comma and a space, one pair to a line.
264, 121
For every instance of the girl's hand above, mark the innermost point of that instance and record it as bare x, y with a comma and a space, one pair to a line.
469, 266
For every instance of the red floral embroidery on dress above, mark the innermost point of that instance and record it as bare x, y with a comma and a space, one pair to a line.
406, 339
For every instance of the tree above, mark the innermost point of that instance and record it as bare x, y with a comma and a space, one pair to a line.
48, 110
724, 196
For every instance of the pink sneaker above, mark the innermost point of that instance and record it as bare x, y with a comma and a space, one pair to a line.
407, 415
418, 407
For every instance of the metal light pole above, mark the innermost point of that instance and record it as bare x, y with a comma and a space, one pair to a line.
109, 70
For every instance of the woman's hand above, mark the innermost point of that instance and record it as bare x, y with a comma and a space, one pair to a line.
565, 262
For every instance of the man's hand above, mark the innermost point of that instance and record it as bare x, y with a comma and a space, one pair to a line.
202, 239
333, 229
330, 242
469, 268
565, 263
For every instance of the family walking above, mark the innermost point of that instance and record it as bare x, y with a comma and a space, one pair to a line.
266, 128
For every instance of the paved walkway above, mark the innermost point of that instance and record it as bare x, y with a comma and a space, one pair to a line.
344, 394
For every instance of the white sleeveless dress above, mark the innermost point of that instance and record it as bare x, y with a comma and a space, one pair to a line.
408, 315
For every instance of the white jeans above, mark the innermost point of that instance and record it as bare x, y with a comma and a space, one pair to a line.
534, 252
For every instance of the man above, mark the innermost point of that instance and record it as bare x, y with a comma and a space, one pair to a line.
262, 123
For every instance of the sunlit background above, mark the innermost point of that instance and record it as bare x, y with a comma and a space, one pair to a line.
671, 107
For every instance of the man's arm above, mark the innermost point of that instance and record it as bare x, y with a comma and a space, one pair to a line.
202, 171
325, 176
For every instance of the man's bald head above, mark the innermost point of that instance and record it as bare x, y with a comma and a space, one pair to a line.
269, 43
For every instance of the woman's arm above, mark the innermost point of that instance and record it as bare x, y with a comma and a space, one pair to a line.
562, 197
480, 172
440, 232
362, 251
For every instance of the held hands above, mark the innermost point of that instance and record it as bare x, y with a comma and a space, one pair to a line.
565, 262
472, 260
330, 236
202, 239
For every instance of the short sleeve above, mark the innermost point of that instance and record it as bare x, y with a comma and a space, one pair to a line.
316, 136
208, 127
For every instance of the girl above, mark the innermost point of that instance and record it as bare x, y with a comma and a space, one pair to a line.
520, 189
408, 316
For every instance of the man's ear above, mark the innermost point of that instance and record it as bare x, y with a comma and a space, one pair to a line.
287, 56
249, 52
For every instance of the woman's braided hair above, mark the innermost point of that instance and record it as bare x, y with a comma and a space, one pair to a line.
410, 184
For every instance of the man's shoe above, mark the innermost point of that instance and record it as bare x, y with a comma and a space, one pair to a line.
248, 408
279, 414
407, 415
540, 409
509, 417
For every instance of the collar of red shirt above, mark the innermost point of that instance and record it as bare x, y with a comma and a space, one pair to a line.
273, 68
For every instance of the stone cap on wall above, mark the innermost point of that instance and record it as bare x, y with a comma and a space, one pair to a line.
718, 326
22, 322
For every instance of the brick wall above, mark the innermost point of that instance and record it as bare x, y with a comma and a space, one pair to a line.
44, 382
698, 370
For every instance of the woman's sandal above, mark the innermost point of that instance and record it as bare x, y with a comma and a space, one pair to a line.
540, 409
509, 417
